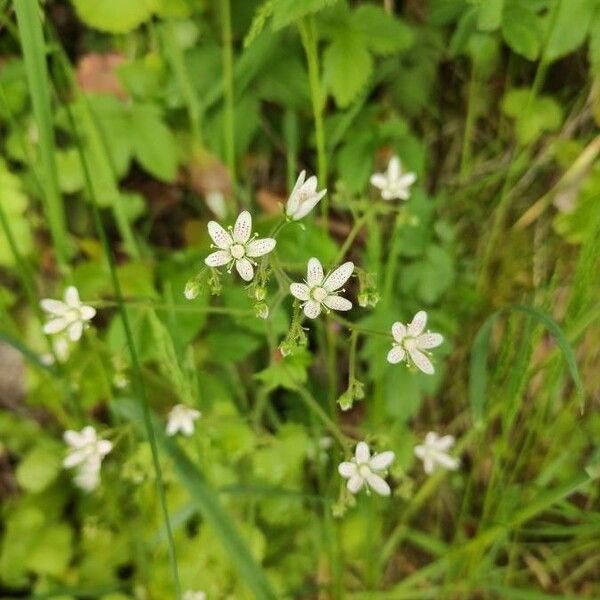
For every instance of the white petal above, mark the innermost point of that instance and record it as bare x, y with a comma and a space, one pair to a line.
54, 307
312, 309
260, 247
314, 275
245, 269
310, 187
308, 205
382, 460
337, 278
429, 340
379, 180
72, 297
362, 453
299, 183
407, 180
104, 447
396, 355
420, 451
428, 464
398, 331
187, 427
448, 462
87, 312
445, 442
417, 325
431, 438
75, 330
421, 361
394, 168
300, 291
378, 484
75, 458
355, 483
221, 238
337, 303
56, 325
172, 427
243, 227
73, 438
218, 258
347, 469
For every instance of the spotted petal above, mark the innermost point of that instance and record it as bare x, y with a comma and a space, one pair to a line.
355, 483
245, 269
429, 340
421, 361
417, 325
396, 355
337, 278
312, 309
347, 469
300, 291
260, 247
378, 484
337, 303
218, 258
398, 331
362, 452
314, 275
221, 238
243, 227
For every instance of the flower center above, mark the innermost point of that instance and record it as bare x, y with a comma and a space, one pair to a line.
409, 343
237, 251
73, 315
364, 470
319, 293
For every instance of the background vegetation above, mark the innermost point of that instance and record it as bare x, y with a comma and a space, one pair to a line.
128, 124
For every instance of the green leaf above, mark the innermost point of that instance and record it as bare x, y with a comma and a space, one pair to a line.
383, 32
347, 66
153, 142
465, 29
40, 467
521, 29
490, 15
209, 506
51, 553
288, 11
115, 16
480, 352
570, 27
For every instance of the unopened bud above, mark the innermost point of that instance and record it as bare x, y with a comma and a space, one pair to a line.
261, 310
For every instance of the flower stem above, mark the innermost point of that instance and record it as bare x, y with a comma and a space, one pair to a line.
228, 87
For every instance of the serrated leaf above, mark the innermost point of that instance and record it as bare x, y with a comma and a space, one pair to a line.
383, 32
521, 29
347, 66
288, 11
114, 16
570, 27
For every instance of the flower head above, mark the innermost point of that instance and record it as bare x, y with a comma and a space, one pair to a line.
411, 344
434, 452
394, 183
191, 595
181, 419
366, 469
321, 291
235, 247
70, 315
86, 453
304, 197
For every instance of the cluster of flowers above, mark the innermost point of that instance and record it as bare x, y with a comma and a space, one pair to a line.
238, 247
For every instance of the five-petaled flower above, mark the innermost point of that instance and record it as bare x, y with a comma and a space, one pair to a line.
70, 315
86, 453
321, 291
235, 246
411, 344
366, 469
181, 419
434, 452
394, 183
304, 197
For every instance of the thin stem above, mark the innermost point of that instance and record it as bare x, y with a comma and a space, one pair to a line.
228, 87
309, 42
358, 225
465, 160
392, 261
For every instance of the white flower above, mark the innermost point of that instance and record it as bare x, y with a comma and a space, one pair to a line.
86, 454
62, 349
366, 469
69, 315
190, 595
320, 291
394, 183
236, 247
304, 197
216, 202
181, 419
434, 453
411, 344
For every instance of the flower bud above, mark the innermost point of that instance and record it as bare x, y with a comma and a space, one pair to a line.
261, 310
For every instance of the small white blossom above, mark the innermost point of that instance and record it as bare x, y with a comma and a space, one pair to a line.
366, 469
181, 419
236, 247
216, 202
86, 453
304, 197
394, 183
411, 344
191, 595
321, 291
62, 349
434, 452
70, 315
